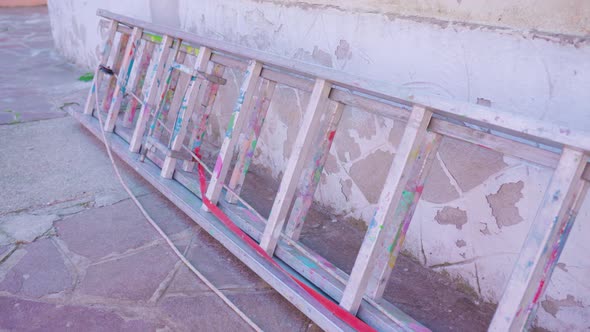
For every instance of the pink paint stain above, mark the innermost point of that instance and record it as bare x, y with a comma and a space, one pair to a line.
419, 189
331, 135
218, 166
539, 291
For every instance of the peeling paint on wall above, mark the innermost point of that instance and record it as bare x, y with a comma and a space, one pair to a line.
451, 216
321, 57
343, 50
503, 204
552, 305
369, 174
438, 187
567, 17
469, 164
460, 243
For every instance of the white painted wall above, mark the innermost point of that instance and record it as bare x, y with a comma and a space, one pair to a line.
555, 16
537, 74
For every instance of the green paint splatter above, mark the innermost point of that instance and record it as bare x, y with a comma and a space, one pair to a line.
308, 262
192, 50
230, 126
407, 197
317, 175
390, 248
16, 118
86, 77
153, 38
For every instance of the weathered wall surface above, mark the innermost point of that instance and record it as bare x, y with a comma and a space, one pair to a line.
478, 204
554, 16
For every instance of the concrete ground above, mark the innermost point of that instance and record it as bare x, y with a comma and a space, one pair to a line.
75, 253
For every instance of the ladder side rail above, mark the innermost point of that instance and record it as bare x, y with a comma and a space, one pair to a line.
302, 148
543, 244
393, 189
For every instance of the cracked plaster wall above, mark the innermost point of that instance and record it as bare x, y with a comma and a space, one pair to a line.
477, 204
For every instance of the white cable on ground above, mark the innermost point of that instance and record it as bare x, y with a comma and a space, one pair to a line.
158, 229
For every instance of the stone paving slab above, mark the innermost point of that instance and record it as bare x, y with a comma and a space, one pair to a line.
24, 315
77, 270
206, 312
40, 272
135, 277
107, 231
24, 227
216, 263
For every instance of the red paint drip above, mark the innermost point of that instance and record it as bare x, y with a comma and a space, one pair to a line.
331, 135
419, 189
337, 310
539, 291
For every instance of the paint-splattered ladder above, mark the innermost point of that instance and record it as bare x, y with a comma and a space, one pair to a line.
174, 78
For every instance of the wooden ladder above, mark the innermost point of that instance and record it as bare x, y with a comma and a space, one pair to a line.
156, 109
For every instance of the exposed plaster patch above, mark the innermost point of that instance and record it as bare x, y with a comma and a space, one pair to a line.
484, 102
343, 50
503, 204
438, 188
552, 305
485, 230
346, 188
322, 57
263, 32
289, 111
451, 216
468, 163
364, 124
369, 174
353, 126
396, 133
449, 175
346, 147
578, 39
302, 54
562, 266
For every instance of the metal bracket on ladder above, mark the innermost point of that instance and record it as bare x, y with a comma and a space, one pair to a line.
175, 77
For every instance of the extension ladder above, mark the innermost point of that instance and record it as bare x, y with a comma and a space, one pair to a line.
162, 90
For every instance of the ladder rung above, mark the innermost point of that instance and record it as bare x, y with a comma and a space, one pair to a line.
194, 73
153, 143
